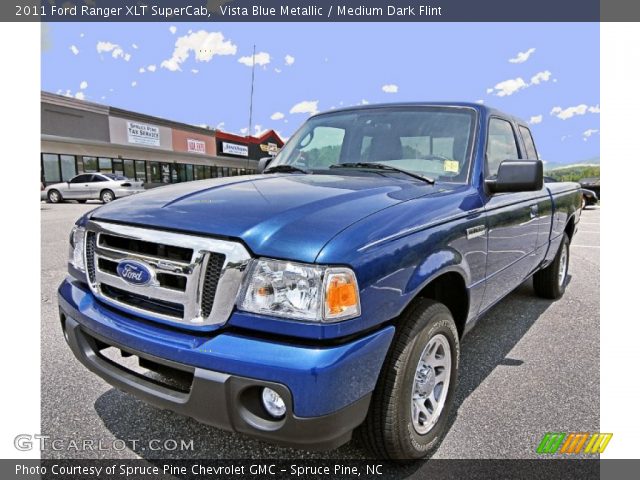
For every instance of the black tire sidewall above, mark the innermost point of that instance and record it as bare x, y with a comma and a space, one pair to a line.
433, 322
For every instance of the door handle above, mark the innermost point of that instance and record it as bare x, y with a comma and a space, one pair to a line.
533, 211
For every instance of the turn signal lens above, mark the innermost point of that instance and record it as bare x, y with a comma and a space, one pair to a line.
341, 294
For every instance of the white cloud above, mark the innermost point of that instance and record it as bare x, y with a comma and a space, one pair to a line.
81, 35
480, 101
540, 77
220, 126
535, 119
134, 83
261, 59
566, 113
115, 50
306, 106
141, 70
277, 116
244, 131
364, 102
522, 57
513, 85
289, 60
588, 133
151, 68
74, 49
79, 95
277, 70
83, 85
509, 87
390, 88
194, 70
205, 45
173, 29
134, 46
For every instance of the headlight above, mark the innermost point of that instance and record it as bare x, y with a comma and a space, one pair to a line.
298, 291
76, 248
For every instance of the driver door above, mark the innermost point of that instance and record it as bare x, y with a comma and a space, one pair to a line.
80, 187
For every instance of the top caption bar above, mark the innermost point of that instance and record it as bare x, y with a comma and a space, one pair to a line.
319, 11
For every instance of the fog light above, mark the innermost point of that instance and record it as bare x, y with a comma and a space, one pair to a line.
273, 403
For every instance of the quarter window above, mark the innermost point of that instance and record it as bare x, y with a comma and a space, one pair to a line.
529, 146
501, 145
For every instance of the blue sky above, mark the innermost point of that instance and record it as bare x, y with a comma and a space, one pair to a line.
547, 74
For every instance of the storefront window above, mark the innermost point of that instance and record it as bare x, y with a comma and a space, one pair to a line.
225, 171
129, 169
90, 164
67, 167
155, 175
118, 168
104, 164
51, 168
166, 172
141, 170
189, 173
198, 172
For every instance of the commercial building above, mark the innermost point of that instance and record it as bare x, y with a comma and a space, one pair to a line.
81, 137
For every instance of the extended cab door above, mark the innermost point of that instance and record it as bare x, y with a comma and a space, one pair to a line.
512, 219
545, 206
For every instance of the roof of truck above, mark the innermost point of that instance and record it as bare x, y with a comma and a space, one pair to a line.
476, 106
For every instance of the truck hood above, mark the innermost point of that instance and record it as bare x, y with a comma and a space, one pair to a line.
281, 216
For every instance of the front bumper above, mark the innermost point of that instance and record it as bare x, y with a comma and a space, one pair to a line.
327, 389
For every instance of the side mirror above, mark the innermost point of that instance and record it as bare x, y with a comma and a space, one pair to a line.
517, 176
263, 163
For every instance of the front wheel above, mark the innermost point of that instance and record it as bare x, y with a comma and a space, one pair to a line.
107, 196
411, 403
551, 281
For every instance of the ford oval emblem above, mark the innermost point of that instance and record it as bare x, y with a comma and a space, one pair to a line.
133, 272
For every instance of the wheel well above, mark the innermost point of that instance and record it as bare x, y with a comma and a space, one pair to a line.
450, 290
106, 190
570, 228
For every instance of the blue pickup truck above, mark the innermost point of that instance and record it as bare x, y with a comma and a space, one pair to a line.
328, 294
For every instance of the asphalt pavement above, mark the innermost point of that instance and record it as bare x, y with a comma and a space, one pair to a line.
529, 367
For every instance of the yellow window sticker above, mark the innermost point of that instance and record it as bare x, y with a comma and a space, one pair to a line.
451, 166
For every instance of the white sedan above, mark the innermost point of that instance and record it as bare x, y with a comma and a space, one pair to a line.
92, 186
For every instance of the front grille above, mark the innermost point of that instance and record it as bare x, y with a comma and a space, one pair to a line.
211, 278
186, 273
91, 248
146, 303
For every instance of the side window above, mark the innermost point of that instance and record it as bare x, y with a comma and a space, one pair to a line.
320, 148
501, 145
81, 179
529, 146
98, 178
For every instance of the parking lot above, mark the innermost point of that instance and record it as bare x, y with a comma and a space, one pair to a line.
530, 366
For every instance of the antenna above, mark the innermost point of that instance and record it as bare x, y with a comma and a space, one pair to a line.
253, 76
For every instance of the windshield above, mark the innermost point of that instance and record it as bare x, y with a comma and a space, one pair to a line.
431, 141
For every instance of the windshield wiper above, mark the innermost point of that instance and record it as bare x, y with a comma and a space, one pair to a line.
284, 168
381, 166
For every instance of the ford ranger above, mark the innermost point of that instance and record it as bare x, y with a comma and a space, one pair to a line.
329, 293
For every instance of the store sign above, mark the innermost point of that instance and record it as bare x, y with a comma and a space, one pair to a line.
196, 146
270, 148
143, 134
235, 149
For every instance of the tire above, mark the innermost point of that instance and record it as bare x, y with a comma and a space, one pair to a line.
392, 430
551, 281
107, 196
54, 196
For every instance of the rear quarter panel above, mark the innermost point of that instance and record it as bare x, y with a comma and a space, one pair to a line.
566, 198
